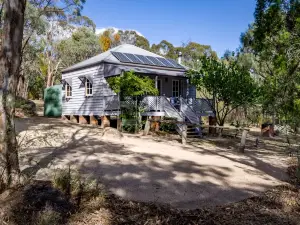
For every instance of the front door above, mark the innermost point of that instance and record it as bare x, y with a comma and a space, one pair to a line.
175, 94
175, 88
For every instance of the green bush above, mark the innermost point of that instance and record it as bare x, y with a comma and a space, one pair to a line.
27, 106
130, 125
168, 127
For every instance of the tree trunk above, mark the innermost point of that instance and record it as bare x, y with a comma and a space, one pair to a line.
22, 86
10, 60
49, 77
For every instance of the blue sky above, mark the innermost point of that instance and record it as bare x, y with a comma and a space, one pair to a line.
218, 23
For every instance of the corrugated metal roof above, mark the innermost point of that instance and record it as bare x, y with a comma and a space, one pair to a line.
108, 57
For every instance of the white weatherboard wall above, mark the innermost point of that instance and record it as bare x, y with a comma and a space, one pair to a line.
79, 104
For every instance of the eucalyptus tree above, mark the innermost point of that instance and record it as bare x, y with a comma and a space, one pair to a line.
13, 44
10, 61
274, 40
82, 44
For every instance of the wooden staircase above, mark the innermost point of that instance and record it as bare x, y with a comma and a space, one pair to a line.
192, 132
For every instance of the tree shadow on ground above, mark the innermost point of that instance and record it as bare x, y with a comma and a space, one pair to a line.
142, 176
260, 161
158, 178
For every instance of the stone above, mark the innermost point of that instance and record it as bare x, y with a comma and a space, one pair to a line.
112, 133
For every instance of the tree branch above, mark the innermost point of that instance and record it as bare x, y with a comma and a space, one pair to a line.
39, 15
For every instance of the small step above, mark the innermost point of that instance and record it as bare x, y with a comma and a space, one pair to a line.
191, 129
194, 136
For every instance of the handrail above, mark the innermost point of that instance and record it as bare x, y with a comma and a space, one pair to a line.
192, 118
179, 127
173, 108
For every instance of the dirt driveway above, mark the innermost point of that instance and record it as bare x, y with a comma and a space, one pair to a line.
147, 169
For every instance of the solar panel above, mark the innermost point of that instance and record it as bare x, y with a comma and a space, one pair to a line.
133, 58
144, 60
175, 64
121, 57
165, 62
155, 61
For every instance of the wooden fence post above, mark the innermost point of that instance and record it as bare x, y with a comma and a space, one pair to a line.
184, 134
147, 127
119, 124
243, 141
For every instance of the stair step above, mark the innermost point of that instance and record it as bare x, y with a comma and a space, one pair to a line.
194, 136
191, 133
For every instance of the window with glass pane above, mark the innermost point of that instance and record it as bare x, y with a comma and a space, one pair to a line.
88, 87
175, 90
68, 90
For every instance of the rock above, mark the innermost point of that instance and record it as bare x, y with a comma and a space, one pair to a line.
112, 133
19, 113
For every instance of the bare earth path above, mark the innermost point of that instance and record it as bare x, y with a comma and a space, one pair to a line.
146, 169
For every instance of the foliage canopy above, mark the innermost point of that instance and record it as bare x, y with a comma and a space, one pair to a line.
228, 84
130, 84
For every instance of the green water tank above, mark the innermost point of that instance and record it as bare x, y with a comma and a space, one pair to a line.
53, 101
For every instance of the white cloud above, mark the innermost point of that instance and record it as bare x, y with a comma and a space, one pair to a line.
115, 29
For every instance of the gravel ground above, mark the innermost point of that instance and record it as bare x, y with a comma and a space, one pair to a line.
204, 173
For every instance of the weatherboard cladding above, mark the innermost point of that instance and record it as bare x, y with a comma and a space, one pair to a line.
79, 104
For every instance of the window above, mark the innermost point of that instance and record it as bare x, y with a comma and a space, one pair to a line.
175, 88
68, 90
88, 87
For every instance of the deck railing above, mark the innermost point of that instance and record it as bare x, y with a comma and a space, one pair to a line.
191, 108
201, 106
153, 103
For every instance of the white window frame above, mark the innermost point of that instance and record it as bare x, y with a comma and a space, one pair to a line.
68, 90
175, 91
88, 87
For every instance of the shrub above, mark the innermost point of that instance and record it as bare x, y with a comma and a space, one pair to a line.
131, 125
168, 127
68, 181
75, 186
28, 107
48, 216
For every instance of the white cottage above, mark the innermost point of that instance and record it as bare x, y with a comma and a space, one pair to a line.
86, 91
